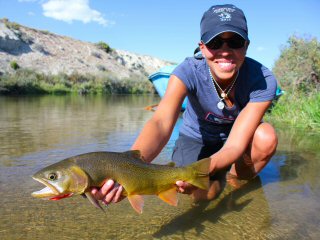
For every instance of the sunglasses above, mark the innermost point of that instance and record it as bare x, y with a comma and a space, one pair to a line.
235, 42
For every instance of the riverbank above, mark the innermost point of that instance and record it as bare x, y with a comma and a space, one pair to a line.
297, 109
25, 81
294, 108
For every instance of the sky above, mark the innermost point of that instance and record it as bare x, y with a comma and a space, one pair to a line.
166, 29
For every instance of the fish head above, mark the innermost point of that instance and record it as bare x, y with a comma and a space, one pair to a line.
61, 180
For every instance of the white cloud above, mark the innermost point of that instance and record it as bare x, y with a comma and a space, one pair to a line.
73, 10
260, 49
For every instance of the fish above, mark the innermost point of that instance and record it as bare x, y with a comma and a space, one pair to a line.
77, 175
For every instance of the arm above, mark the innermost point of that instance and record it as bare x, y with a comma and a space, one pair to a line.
240, 136
238, 141
158, 129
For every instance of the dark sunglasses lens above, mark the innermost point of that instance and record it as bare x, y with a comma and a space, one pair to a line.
215, 43
236, 42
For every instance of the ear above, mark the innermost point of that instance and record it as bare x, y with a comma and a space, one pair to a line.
247, 44
201, 45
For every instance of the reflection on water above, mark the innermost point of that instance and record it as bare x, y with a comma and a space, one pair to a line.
283, 203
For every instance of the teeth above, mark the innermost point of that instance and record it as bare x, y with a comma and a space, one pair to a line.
225, 64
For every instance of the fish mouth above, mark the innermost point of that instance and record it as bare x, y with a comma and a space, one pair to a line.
47, 192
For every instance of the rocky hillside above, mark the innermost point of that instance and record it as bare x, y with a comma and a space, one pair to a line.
49, 53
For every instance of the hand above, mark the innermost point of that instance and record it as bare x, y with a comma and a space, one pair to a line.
197, 194
109, 192
186, 188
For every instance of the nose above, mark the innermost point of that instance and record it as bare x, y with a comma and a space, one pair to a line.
225, 49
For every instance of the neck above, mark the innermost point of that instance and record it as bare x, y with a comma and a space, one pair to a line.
224, 84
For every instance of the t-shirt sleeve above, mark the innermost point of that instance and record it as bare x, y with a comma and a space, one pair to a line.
183, 72
264, 87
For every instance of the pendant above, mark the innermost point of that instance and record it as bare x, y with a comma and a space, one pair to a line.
220, 105
223, 95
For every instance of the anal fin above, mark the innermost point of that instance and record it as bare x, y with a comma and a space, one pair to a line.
169, 196
136, 202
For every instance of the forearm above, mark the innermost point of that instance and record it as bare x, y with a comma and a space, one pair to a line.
240, 136
151, 140
224, 158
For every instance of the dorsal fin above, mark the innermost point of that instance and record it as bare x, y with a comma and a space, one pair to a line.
136, 154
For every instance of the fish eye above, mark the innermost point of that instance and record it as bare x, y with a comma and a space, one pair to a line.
52, 176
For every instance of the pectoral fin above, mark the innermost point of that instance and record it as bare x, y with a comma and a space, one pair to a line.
136, 202
169, 196
93, 200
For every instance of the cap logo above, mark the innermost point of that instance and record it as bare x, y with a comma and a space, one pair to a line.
224, 13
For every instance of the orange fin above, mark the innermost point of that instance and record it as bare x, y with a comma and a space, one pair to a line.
136, 202
169, 196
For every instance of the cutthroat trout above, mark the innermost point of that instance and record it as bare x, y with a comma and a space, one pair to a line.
77, 175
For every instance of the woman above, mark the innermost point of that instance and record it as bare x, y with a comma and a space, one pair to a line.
228, 95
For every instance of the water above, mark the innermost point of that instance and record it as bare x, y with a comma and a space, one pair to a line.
283, 203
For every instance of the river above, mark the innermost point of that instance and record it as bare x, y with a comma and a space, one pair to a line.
35, 131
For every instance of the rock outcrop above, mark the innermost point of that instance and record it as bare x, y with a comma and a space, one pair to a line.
50, 53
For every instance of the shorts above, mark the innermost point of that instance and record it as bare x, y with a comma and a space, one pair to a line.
188, 150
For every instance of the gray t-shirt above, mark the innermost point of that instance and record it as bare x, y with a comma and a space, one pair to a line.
202, 119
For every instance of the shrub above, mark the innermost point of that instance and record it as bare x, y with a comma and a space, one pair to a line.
104, 46
14, 65
298, 67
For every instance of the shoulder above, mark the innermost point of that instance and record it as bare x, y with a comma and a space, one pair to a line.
191, 71
259, 81
255, 69
191, 64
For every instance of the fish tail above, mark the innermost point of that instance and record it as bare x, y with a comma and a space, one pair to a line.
199, 173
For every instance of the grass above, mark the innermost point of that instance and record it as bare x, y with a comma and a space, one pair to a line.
297, 109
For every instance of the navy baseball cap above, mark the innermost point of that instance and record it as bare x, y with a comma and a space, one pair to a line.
223, 18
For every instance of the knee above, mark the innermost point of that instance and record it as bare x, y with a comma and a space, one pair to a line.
265, 139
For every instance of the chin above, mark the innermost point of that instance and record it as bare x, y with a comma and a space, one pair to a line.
225, 75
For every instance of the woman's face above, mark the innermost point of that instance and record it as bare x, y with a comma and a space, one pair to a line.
224, 62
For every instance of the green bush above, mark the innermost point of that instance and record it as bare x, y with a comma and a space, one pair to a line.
298, 71
104, 46
11, 25
25, 81
298, 67
14, 65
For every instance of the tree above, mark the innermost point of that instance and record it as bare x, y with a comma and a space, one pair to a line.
298, 67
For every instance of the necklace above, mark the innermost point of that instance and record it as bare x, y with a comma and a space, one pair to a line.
223, 94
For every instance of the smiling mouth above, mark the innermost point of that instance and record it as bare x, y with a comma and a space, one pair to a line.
227, 66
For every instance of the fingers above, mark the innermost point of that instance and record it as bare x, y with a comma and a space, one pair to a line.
184, 187
111, 195
101, 193
109, 192
118, 196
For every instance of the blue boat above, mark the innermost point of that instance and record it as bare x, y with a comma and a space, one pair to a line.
160, 81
